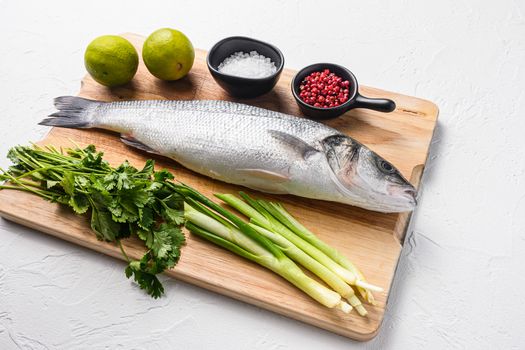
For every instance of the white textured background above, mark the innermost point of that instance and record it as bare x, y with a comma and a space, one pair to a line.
460, 282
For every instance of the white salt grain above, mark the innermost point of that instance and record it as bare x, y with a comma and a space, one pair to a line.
248, 65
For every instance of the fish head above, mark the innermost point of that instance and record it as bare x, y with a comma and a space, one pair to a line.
367, 178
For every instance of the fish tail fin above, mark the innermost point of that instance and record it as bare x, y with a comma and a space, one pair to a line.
73, 112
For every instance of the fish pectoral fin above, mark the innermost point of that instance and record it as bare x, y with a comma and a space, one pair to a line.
133, 142
296, 144
268, 189
265, 175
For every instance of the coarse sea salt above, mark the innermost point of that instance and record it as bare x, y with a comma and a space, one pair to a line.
248, 65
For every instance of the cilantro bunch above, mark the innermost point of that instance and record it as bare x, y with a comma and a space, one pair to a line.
121, 202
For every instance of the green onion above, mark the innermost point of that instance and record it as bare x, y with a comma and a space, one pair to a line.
232, 233
261, 214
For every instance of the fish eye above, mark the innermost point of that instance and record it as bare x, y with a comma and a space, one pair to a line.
386, 167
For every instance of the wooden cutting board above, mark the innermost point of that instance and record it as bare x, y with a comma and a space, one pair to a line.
371, 240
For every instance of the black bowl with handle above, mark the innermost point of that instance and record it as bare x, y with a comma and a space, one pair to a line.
241, 86
355, 100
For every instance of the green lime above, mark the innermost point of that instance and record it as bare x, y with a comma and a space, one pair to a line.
111, 60
168, 54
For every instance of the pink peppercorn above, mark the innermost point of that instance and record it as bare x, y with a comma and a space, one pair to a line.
324, 89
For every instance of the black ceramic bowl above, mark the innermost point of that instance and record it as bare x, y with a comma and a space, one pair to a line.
239, 86
355, 100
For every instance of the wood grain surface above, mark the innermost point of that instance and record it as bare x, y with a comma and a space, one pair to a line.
371, 240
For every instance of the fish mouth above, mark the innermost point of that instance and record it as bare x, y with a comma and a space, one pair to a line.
406, 194
411, 195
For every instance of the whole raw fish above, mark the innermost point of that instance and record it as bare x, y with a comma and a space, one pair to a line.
250, 146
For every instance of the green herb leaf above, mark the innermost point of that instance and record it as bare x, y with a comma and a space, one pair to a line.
172, 215
145, 218
104, 226
163, 175
79, 203
146, 236
148, 168
68, 183
147, 281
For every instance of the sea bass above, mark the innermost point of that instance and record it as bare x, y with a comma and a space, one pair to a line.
249, 146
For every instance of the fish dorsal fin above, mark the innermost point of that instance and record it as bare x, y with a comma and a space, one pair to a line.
296, 144
265, 175
133, 142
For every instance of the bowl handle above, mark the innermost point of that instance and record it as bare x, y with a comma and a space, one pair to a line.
377, 104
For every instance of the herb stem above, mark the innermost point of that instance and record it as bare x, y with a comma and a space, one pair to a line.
119, 242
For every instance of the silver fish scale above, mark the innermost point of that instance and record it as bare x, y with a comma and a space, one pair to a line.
216, 138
